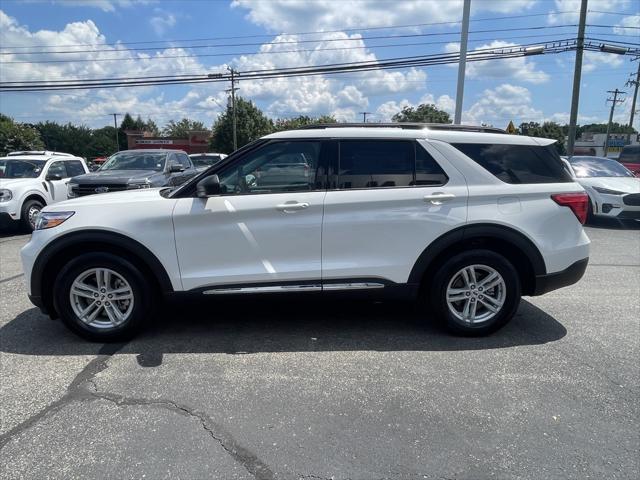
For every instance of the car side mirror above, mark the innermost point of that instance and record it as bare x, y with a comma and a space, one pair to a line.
175, 168
208, 187
53, 176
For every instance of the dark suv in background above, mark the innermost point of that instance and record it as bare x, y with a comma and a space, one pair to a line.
135, 169
630, 158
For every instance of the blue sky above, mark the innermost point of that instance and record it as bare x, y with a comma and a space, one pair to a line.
524, 89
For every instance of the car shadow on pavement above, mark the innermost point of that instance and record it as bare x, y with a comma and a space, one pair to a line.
613, 224
244, 326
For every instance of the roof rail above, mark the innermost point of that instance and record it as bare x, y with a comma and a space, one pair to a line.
38, 152
406, 126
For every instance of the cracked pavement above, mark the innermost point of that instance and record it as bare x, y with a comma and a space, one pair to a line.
319, 390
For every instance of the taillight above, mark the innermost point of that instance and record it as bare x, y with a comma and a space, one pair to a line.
578, 202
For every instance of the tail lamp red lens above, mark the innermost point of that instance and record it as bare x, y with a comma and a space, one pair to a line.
578, 202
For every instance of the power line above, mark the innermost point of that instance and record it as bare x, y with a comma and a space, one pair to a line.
393, 63
362, 29
288, 42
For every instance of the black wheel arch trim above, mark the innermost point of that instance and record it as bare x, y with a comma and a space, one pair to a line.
97, 236
469, 232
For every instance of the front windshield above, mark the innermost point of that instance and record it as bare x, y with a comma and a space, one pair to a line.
586, 167
12, 168
140, 160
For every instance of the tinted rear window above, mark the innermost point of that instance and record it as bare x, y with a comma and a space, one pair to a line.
630, 154
518, 163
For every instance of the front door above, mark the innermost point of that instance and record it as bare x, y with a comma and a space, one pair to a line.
57, 188
263, 233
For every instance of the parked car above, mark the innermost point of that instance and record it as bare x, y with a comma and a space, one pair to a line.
31, 180
630, 158
613, 190
135, 169
464, 219
202, 161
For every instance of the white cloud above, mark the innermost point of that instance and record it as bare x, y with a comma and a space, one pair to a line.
593, 60
290, 15
629, 25
162, 21
520, 68
499, 105
341, 95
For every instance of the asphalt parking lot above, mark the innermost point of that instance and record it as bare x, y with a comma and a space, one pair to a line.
317, 390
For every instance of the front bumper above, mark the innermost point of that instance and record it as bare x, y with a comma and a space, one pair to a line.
552, 281
9, 210
617, 206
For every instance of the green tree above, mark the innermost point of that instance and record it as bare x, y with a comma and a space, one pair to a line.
182, 128
251, 124
301, 121
66, 138
18, 136
102, 142
602, 128
546, 130
425, 112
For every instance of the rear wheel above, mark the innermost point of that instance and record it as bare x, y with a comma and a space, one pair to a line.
475, 292
102, 297
29, 214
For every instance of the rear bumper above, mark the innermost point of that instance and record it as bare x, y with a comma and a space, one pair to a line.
568, 276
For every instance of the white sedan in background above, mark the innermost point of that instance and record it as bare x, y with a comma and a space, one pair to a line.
613, 190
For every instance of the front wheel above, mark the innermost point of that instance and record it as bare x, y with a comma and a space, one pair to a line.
475, 293
102, 297
29, 215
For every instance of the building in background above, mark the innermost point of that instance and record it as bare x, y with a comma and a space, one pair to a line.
197, 142
593, 144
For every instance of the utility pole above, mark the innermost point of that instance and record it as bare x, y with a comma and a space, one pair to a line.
115, 124
462, 63
614, 101
364, 116
577, 75
635, 84
233, 106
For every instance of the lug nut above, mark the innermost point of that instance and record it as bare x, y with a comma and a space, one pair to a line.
480, 289
110, 296
99, 303
102, 290
480, 297
95, 295
473, 287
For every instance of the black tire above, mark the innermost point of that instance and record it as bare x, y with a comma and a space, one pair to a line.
26, 215
437, 294
142, 297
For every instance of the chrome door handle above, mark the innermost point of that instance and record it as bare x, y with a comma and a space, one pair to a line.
439, 198
291, 207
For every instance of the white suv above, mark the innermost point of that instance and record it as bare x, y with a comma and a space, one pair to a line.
31, 180
465, 219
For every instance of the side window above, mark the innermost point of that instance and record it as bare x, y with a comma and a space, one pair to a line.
428, 172
274, 168
375, 163
518, 163
74, 168
183, 158
57, 168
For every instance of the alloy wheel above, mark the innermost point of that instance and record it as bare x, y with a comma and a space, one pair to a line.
476, 294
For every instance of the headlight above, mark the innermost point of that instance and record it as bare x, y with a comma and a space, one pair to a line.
52, 219
607, 191
5, 195
70, 192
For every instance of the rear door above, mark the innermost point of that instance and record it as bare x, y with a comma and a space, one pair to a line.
257, 235
387, 201
57, 188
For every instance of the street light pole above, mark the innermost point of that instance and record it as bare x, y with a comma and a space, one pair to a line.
577, 74
462, 64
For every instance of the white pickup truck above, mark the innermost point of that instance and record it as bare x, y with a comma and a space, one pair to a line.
31, 180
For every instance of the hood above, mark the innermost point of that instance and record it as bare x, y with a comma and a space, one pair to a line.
115, 176
16, 182
127, 196
622, 184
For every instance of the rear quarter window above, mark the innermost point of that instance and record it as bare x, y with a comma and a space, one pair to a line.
518, 163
